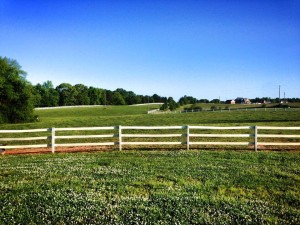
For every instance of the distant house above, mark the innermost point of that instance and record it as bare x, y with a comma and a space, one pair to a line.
232, 102
240, 100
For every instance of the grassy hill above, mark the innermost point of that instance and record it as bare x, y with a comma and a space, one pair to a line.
137, 115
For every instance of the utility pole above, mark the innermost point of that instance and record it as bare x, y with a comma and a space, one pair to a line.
105, 98
148, 105
279, 94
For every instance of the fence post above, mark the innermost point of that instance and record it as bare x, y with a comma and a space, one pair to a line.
187, 137
255, 138
53, 139
120, 137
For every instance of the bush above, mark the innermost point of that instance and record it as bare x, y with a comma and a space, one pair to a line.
164, 106
213, 108
196, 107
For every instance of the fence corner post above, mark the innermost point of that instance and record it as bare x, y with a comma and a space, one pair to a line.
255, 138
187, 137
53, 139
120, 137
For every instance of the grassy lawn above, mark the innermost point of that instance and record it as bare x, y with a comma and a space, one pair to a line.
151, 187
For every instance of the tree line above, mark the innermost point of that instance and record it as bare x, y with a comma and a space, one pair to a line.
65, 94
18, 97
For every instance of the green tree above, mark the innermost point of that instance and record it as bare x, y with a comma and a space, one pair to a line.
67, 94
16, 98
172, 104
82, 94
37, 98
95, 95
117, 99
49, 97
156, 98
215, 101
131, 98
169, 104
138, 99
187, 100
203, 101
164, 106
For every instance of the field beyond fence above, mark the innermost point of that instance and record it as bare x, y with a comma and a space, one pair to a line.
220, 109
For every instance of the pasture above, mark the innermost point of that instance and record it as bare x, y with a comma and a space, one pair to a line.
152, 187
137, 116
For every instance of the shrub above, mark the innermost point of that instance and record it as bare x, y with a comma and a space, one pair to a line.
213, 108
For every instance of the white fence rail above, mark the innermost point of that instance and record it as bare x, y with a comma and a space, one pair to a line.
153, 135
281, 136
25, 138
250, 109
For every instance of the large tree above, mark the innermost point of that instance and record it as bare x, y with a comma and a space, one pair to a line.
48, 95
117, 98
16, 102
82, 94
67, 94
94, 95
187, 100
169, 104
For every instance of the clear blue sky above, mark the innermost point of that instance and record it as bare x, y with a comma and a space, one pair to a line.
205, 49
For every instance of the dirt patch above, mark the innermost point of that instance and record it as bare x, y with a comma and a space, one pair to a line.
158, 148
57, 150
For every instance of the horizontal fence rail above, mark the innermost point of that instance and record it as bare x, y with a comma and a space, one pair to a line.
99, 136
279, 136
149, 128
119, 136
25, 138
248, 109
220, 135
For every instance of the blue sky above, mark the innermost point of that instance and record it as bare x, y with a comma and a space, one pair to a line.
205, 49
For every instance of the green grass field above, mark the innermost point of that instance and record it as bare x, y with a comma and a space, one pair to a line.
137, 115
152, 187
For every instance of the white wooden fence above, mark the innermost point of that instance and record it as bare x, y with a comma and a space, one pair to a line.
254, 109
133, 135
